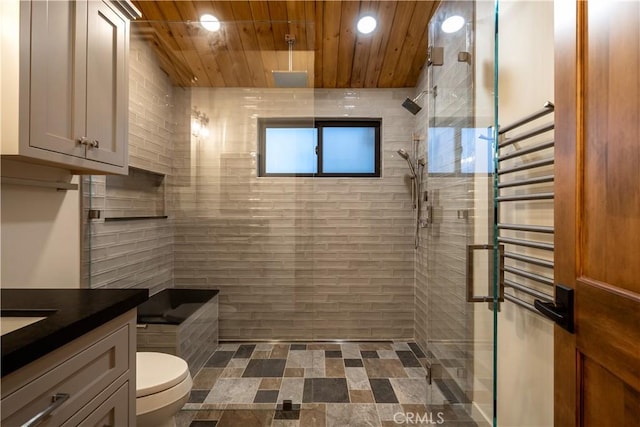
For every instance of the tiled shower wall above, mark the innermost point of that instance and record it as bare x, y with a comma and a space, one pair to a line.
296, 258
293, 257
138, 253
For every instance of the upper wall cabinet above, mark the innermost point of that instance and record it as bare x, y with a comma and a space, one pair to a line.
71, 84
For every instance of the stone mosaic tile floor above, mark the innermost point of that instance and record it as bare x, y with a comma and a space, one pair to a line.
329, 385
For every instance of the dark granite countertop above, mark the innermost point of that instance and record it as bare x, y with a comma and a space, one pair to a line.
70, 314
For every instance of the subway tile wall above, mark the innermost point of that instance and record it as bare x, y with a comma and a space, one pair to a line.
136, 254
295, 258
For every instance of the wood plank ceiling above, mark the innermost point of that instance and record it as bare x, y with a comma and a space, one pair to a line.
251, 42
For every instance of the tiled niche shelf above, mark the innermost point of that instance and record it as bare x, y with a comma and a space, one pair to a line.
137, 196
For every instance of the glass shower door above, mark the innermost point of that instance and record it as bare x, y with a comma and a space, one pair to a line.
456, 257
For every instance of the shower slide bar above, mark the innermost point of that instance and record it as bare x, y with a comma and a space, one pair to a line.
522, 143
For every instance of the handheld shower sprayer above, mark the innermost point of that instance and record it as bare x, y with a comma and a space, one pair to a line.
402, 153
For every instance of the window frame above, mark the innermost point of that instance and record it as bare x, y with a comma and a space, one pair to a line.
318, 123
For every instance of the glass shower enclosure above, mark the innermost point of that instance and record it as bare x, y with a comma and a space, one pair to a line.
338, 261
456, 267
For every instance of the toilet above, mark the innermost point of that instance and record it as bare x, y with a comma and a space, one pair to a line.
163, 384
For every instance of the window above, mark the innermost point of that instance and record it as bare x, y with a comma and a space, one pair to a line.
322, 148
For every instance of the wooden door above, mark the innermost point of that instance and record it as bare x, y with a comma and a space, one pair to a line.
597, 203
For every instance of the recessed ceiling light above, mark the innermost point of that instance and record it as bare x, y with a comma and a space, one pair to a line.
452, 24
210, 22
367, 24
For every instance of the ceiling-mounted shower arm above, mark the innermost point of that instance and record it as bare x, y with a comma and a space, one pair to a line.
290, 78
291, 40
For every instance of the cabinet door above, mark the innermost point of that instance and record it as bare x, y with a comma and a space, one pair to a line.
107, 100
58, 76
113, 412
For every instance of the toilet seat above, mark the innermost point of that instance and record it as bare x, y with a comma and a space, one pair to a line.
158, 372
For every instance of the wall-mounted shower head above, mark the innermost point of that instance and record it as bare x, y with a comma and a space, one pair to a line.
411, 106
402, 153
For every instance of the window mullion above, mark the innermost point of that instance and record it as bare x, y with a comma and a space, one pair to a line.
319, 149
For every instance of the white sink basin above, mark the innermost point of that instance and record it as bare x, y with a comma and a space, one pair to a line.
11, 323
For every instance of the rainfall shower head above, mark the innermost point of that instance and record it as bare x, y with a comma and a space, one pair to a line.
402, 153
290, 78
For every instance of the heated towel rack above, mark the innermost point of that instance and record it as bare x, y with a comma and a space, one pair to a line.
525, 182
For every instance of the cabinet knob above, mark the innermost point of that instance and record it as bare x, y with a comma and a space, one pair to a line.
94, 143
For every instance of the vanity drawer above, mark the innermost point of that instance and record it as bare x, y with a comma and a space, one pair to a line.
113, 412
81, 376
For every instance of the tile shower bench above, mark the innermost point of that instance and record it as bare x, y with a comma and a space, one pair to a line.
179, 321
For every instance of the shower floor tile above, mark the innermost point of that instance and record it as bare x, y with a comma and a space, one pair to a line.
408, 359
265, 368
384, 368
266, 396
329, 384
325, 390
382, 390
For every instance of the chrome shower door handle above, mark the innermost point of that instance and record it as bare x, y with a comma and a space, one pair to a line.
471, 297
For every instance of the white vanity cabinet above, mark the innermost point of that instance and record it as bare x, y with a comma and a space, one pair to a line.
70, 91
93, 376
